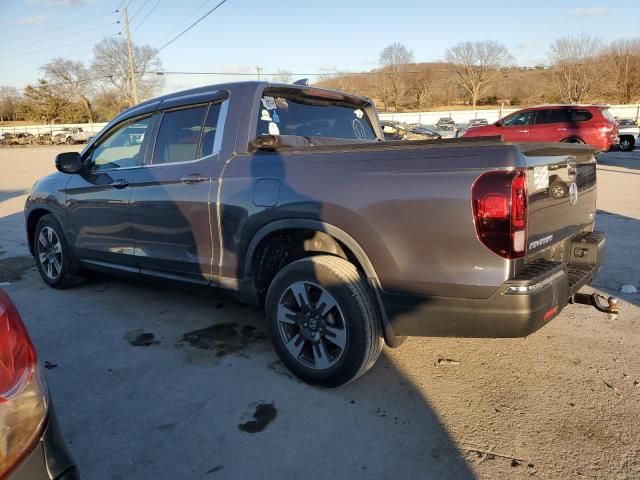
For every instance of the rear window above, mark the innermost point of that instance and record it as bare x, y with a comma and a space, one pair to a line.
607, 114
555, 115
293, 114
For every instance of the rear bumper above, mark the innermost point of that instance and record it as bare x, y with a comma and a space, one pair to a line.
517, 308
49, 459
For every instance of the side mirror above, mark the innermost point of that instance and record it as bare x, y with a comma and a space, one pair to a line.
498, 123
69, 162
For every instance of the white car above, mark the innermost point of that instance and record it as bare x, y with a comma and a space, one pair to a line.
446, 130
71, 135
628, 133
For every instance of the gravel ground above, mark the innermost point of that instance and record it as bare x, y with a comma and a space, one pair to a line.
151, 381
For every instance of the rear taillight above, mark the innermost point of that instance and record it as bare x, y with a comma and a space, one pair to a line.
500, 212
23, 396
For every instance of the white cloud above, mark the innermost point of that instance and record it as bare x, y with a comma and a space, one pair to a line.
589, 12
58, 3
34, 20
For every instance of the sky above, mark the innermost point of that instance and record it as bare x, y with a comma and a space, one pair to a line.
301, 37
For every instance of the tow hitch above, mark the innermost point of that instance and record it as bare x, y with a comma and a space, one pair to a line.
610, 307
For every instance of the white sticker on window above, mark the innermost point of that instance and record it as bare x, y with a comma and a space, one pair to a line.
541, 177
273, 129
359, 113
264, 115
269, 103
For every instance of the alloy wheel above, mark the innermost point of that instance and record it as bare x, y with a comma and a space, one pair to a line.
50, 253
311, 325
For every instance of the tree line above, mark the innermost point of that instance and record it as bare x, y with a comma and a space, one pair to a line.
70, 91
580, 69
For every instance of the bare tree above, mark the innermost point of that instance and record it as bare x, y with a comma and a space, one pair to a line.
421, 85
395, 60
479, 65
74, 78
283, 76
576, 71
622, 63
9, 102
110, 61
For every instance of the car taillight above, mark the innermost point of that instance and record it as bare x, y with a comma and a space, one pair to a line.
23, 395
500, 211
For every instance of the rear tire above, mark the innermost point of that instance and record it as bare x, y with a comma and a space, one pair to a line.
573, 140
70, 141
323, 322
627, 143
54, 259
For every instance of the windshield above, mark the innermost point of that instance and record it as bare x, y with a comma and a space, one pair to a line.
292, 115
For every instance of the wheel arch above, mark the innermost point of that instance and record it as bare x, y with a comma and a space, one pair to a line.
332, 240
33, 217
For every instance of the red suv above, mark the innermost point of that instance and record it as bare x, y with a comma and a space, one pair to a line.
559, 123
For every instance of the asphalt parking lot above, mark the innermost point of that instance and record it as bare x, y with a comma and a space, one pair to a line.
152, 382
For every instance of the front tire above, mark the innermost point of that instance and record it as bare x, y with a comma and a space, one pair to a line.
54, 258
323, 322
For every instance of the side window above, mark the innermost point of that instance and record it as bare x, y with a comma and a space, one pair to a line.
520, 119
580, 116
179, 135
122, 147
211, 137
556, 115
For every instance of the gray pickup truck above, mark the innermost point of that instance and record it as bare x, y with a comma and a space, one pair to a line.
288, 197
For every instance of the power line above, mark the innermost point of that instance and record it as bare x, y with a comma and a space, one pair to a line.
192, 25
61, 27
146, 16
35, 52
70, 34
138, 11
189, 17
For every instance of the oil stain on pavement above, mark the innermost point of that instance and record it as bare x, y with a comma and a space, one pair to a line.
264, 414
224, 338
140, 338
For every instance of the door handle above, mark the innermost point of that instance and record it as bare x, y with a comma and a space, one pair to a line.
194, 178
121, 183
523, 131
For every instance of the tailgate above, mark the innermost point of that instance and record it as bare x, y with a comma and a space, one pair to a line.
561, 184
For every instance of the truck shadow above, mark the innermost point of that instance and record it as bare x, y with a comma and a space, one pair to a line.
630, 160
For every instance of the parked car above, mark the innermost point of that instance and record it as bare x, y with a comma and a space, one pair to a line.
20, 138
287, 196
589, 124
445, 121
628, 133
477, 122
446, 130
30, 441
71, 135
395, 131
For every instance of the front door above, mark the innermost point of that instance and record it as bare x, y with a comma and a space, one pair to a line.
515, 128
98, 199
173, 196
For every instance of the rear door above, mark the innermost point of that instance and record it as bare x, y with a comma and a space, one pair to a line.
551, 125
515, 128
172, 195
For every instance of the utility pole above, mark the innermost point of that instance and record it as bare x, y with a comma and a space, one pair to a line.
258, 69
132, 69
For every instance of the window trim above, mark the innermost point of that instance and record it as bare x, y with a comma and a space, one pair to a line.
106, 135
224, 102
